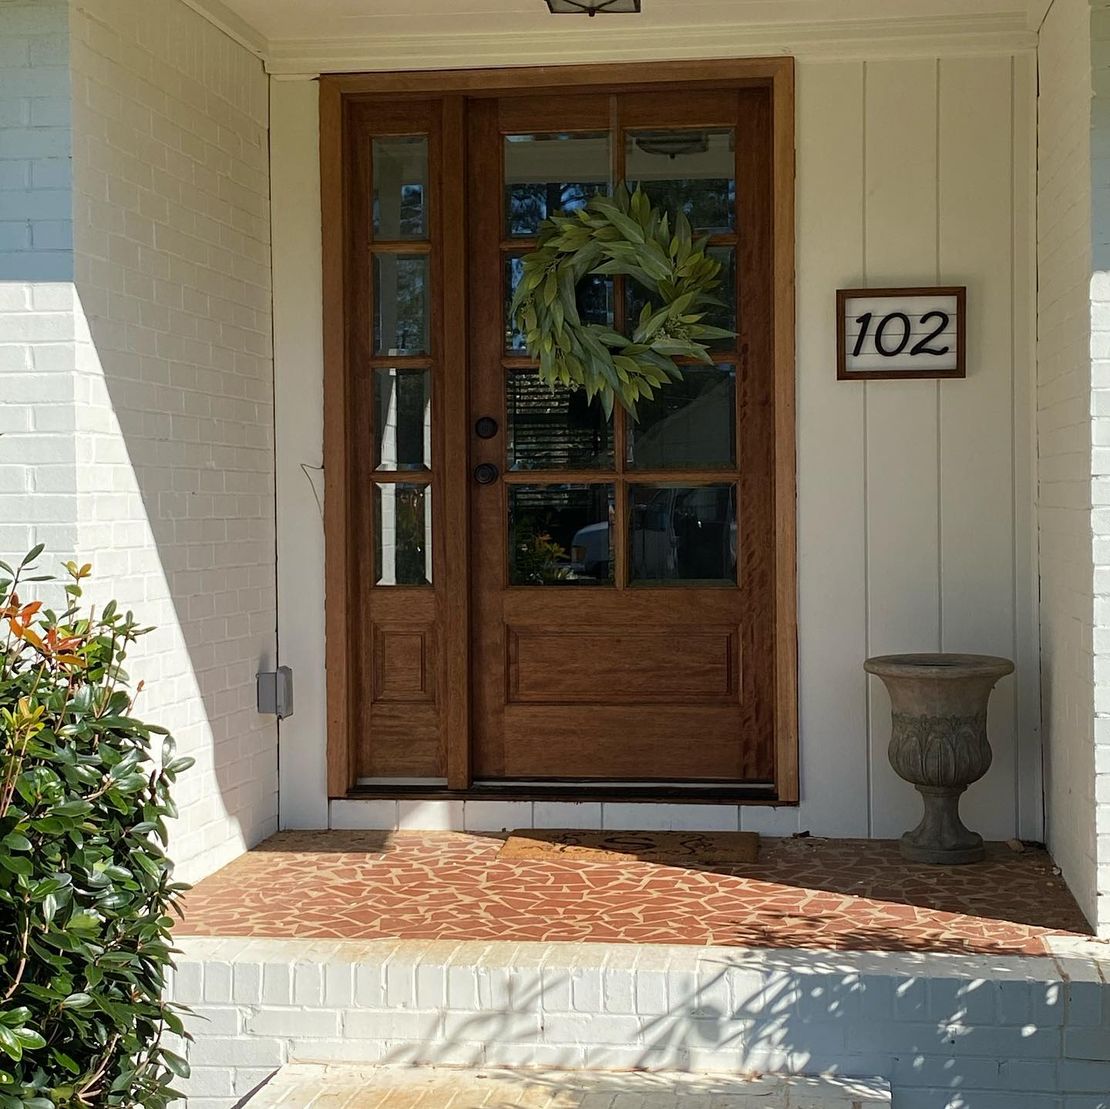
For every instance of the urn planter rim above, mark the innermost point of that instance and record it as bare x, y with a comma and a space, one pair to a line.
940, 666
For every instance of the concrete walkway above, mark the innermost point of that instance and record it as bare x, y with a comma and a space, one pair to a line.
338, 1086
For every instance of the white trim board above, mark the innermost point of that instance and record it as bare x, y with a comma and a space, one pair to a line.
925, 36
234, 26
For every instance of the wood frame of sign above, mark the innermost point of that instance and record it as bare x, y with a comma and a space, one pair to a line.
924, 335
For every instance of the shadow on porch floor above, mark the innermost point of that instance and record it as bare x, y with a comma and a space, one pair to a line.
802, 893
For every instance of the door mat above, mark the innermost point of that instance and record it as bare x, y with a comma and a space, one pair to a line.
673, 848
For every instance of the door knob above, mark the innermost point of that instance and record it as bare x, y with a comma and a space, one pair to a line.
485, 427
485, 473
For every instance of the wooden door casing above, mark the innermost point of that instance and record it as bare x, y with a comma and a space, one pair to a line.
408, 674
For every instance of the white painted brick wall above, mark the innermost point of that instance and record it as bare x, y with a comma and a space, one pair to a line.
37, 353
1100, 439
174, 393
949, 1032
35, 206
137, 388
499, 816
1065, 436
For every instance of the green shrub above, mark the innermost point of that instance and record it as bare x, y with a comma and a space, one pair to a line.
86, 891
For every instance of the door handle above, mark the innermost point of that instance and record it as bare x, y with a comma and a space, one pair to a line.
486, 427
486, 473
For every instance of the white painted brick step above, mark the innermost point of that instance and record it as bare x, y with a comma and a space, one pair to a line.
337, 1086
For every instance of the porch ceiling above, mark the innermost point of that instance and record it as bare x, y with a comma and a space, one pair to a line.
336, 35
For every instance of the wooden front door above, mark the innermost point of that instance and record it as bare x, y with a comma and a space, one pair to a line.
621, 619
536, 597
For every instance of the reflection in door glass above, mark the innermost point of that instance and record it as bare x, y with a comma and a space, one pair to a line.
692, 171
403, 534
545, 174
689, 424
400, 169
554, 428
560, 535
682, 534
593, 296
400, 304
402, 420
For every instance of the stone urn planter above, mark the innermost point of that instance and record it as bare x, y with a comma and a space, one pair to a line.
938, 741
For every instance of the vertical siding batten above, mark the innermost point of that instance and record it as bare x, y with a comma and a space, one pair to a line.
902, 464
975, 458
832, 497
1030, 776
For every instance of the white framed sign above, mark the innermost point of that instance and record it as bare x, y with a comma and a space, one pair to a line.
901, 333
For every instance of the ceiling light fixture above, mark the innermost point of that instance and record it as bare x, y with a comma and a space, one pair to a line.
593, 7
672, 143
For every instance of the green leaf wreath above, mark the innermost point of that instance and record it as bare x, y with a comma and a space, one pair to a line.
623, 234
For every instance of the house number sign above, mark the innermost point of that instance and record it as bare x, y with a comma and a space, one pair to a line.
901, 333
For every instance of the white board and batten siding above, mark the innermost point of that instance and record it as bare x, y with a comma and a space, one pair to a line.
915, 497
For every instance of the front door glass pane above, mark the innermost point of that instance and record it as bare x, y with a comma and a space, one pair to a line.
400, 168
403, 534
555, 428
686, 170
549, 173
560, 535
682, 535
593, 296
400, 304
402, 420
718, 315
689, 424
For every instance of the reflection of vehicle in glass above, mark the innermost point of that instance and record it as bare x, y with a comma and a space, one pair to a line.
544, 521
684, 533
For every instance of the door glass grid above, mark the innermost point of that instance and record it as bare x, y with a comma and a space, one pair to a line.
551, 172
646, 519
401, 368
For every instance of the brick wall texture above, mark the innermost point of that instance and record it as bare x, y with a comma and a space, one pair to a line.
137, 370
948, 1031
1100, 437
175, 413
1068, 444
36, 220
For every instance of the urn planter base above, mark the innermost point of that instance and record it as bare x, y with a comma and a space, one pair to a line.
938, 742
941, 838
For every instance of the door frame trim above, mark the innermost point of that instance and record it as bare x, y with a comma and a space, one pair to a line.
335, 92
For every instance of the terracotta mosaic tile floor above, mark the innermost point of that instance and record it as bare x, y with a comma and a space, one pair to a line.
811, 893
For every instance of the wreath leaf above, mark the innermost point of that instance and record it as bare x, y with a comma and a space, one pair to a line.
623, 234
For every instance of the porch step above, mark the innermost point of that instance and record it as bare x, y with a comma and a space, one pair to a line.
346, 1086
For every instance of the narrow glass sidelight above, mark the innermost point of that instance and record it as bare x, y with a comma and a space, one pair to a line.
689, 424
561, 535
400, 304
547, 173
687, 170
400, 169
402, 419
403, 534
682, 534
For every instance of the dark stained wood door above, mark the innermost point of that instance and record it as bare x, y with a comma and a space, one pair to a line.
622, 572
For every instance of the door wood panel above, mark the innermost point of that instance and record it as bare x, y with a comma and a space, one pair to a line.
569, 665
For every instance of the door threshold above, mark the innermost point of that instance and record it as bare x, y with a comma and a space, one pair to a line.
661, 793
